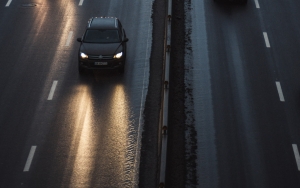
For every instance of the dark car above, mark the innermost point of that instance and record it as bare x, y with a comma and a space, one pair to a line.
235, 1
103, 45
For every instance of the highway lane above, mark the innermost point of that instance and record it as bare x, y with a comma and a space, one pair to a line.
242, 95
250, 133
87, 133
284, 33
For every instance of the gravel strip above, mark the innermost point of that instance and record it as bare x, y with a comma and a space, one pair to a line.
149, 166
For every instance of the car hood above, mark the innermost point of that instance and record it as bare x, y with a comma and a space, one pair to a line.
100, 49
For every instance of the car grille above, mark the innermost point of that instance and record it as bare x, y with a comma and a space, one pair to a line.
104, 57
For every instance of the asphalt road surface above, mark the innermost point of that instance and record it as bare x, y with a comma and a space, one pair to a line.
59, 129
242, 96
234, 97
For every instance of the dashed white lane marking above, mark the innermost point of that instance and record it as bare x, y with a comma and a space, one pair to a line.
29, 159
256, 4
69, 38
297, 157
281, 97
8, 3
50, 97
266, 39
81, 2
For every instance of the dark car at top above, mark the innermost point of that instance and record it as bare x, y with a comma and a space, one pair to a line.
243, 2
103, 45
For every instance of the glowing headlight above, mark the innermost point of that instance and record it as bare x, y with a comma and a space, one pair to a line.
83, 55
118, 55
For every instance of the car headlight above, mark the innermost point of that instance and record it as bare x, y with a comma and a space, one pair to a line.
118, 55
83, 55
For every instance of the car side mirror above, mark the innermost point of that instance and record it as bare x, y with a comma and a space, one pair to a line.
79, 40
125, 40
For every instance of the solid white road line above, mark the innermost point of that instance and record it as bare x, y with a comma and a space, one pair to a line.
29, 159
50, 97
281, 97
81, 2
297, 157
266, 39
256, 4
8, 3
69, 38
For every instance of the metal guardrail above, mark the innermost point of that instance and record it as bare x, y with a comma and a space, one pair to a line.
164, 128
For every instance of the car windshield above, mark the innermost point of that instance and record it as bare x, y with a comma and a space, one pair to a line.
101, 36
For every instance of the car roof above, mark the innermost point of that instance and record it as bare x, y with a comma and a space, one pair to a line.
103, 23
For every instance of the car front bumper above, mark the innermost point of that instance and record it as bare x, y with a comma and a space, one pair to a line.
103, 64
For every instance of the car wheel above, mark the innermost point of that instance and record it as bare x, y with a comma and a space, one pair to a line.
122, 69
80, 69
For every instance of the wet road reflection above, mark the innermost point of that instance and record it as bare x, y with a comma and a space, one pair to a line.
83, 133
97, 154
